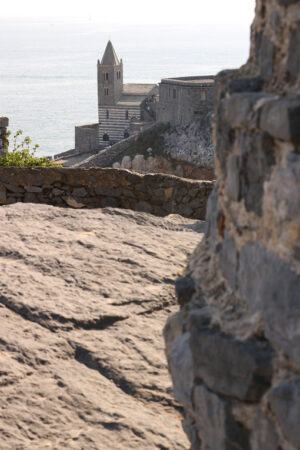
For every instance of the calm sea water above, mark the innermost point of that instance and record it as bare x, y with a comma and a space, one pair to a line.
48, 69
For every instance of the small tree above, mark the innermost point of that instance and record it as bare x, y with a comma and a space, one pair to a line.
22, 155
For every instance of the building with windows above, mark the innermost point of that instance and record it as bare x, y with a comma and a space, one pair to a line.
121, 105
126, 109
184, 99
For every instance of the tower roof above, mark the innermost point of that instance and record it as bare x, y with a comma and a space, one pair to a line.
110, 57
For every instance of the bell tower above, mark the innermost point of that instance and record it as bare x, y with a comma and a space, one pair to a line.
110, 77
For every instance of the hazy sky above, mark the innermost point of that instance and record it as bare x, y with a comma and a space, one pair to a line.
134, 11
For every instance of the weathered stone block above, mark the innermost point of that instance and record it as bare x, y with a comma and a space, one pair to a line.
229, 260
184, 288
197, 203
245, 85
30, 197
212, 212
79, 192
287, 180
239, 107
264, 435
269, 285
70, 201
110, 201
265, 53
190, 428
186, 211
107, 190
57, 191
281, 119
233, 178
126, 162
216, 425
255, 164
233, 368
274, 21
181, 367
33, 189
13, 188
143, 206
285, 404
293, 64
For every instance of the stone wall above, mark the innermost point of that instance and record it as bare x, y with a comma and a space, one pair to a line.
184, 152
86, 138
3, 137
94, 188
108, 156
181, 100
233, 348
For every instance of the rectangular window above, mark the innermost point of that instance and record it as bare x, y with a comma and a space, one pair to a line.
107, 114
127, 115
174, 93
106, 92
106, 76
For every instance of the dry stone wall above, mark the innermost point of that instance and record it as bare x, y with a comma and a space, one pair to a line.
93, 188
233, 348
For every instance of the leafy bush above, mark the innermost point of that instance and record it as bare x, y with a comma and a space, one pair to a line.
22, 155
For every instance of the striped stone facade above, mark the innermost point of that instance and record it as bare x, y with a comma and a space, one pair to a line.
114, 121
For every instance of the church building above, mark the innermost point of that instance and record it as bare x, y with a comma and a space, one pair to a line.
120, 105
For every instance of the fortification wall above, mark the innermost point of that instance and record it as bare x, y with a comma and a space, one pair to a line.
3, 130
86, 138
111, 154
94, 188
181, 100
233, 348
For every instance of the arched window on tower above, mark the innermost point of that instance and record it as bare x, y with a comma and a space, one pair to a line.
105, 137
127, 115
106, 92
106, 76
107, 114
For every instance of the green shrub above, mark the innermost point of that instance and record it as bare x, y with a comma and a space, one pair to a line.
22, 155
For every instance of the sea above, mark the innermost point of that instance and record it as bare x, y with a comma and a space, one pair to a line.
48, 69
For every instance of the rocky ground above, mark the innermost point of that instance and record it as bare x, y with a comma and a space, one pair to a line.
84, 297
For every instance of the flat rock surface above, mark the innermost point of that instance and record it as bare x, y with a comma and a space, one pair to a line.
84, 298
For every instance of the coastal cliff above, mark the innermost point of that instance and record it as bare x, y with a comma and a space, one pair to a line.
233, 347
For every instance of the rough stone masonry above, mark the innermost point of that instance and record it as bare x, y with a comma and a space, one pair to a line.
234, 347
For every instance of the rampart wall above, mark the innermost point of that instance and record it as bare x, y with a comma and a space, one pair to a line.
181, 100
233, 348
93, 188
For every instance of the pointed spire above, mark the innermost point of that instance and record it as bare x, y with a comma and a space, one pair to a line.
110, 57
